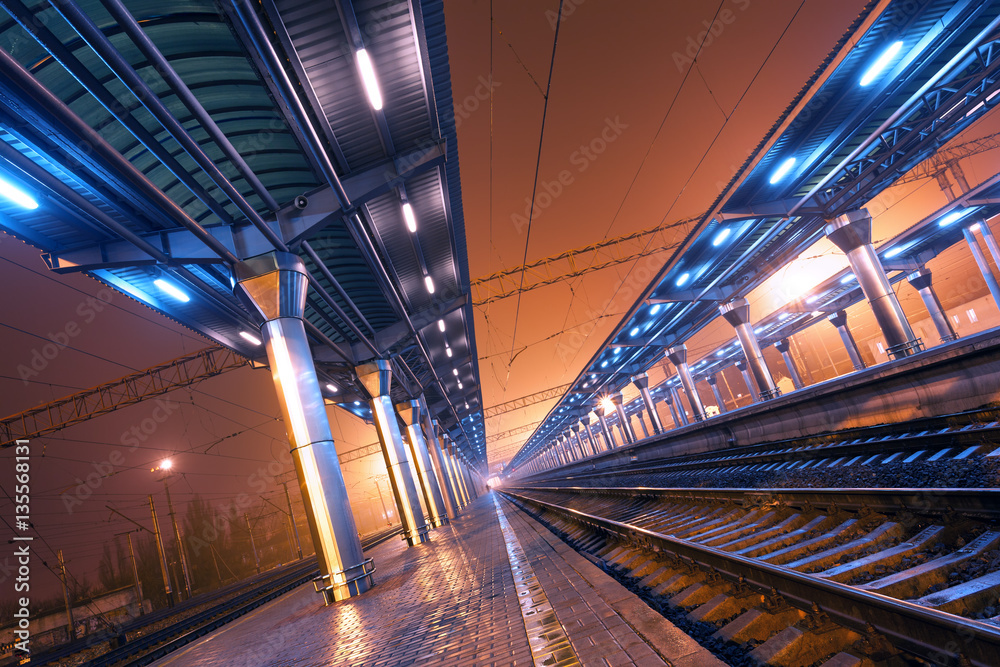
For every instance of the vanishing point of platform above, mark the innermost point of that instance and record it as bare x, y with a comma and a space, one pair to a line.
454, 602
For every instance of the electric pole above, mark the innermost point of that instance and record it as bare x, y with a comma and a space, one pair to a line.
252, 545
291, 519
70, 630
163, 555
135, 570
177, 539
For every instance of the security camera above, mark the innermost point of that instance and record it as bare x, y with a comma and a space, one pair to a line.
301, 202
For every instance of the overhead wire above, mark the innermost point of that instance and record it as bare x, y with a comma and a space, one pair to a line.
534, 187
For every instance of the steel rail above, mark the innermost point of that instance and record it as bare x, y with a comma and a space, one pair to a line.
931, 634
980, 503
908, 443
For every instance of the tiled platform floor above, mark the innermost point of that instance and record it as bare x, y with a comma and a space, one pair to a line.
452, 602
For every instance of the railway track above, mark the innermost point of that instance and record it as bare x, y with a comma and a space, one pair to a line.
145, 644
924, 447
826, 577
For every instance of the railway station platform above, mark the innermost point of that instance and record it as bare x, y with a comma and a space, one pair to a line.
493, 588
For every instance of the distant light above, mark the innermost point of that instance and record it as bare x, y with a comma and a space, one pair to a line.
720, 353
466, 406
357, 402
975, 228
429, 284
634, 332
953, 216
682, 280
12, 193
368, 77
880, 64
892, 252
441, 326
784, 316
655, 309
166, 464
454, 371
171, 289
411, 220
721, 237
460, 385
782, 171
616, 350
447, 351
250, 337
332, 387
849, 278
814, 298
817, 313
604, 364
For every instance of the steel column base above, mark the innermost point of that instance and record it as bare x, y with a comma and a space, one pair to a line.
345, 583
419, 537
904, 350
769, 394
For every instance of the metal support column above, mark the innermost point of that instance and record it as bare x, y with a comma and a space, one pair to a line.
641, 381
839, 320
609, 442
675, 401
274, 286
409, 412
920, 280
642, 423
786, 354
713, 382
376, 376
852, 233
437, 460
984, 266
455, 474
737, 313
678, 357
629, 436
741, 366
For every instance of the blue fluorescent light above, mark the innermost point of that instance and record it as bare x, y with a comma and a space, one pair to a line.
655, 309
849, 278
782, 171
171, 289
617, 350
721, 236
604, 364
880, 64
12, 193
684, 277
953, 216
894, 251
634, 332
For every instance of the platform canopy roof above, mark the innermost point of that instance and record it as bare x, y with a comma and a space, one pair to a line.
907, 78
160, 144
